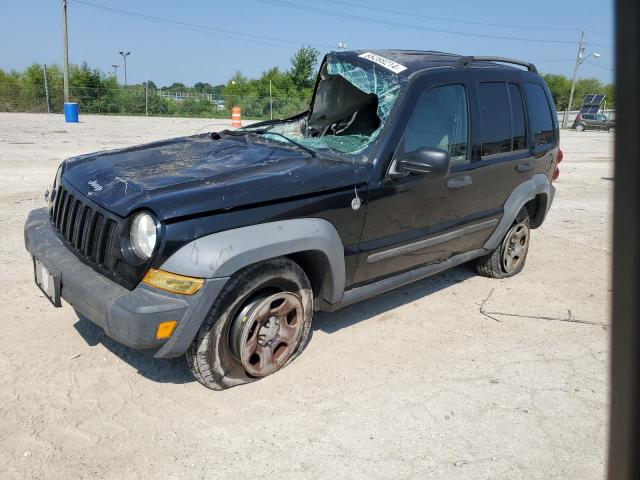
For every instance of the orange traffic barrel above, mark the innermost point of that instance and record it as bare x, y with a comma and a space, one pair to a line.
236, 120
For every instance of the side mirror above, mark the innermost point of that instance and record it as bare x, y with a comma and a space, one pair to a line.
428, 162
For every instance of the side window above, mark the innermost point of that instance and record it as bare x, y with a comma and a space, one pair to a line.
495, 117
439, 121
539, 114
518, 123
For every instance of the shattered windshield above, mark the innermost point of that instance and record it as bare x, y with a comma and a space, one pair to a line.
351, 105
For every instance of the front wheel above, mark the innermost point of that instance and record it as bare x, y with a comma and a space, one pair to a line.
258, 324
580, 128
509, 258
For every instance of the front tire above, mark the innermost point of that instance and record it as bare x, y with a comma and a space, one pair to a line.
509, 257
260, 322
580, 128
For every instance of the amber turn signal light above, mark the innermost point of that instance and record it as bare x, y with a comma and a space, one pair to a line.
172, 282
165, 329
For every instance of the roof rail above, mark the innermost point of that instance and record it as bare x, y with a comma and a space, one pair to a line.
464, 62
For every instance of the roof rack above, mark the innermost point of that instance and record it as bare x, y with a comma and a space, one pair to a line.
464, 62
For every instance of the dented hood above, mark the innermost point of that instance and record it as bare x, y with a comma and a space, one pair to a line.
191, 175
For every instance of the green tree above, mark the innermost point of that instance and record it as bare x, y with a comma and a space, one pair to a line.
560, 87
303, 67
176, 86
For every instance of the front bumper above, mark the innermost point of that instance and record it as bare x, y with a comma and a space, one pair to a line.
128, 316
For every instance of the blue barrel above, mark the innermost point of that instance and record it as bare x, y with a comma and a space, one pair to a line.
71, 112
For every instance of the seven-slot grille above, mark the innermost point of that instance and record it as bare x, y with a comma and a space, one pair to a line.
92, 235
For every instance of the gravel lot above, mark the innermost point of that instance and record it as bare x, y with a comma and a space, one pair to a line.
456, 376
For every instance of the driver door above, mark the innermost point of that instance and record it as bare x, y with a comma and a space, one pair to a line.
413, 220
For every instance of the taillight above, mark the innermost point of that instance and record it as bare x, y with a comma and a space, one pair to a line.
556, 169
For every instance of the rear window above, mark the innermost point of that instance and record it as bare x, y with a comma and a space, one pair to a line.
539, 114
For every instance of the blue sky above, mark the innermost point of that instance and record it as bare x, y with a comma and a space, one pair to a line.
30, 31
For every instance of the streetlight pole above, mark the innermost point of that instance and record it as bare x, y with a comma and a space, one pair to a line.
124, 56
580, 59
66, 52
115, 70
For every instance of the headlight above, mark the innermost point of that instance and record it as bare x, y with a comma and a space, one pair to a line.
143, 235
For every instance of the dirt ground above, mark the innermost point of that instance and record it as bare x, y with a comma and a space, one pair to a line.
456, 376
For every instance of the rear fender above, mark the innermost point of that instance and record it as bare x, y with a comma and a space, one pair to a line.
539, 184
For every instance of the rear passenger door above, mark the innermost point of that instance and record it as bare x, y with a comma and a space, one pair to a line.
502, 155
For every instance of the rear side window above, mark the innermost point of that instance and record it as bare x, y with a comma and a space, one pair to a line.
539, 114
502, 117
495, 116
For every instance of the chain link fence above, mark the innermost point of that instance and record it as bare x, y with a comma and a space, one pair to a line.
20, 97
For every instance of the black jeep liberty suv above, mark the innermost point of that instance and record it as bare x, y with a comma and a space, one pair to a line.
222, 245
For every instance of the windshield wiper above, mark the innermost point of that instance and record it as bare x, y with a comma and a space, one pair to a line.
266, 131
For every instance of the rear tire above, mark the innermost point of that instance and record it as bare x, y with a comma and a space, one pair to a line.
218, 358
509, 257
579, 128
612, 130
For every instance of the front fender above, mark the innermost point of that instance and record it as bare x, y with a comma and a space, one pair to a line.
224, 253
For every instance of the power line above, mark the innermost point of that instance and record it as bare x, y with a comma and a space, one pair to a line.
201, 28
604, 67
349, 16
544, 60
445, 19
361, 18
595, 32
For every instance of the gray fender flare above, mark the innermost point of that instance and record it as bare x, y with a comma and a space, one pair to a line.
526, 191
224, 253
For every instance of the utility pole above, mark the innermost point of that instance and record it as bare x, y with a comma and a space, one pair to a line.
580, 59
565, 120
115, 70
124, 56
66, 51
270, 101
46, 88
146, 98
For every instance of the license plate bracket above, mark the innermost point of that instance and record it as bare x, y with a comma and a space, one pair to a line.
48, 282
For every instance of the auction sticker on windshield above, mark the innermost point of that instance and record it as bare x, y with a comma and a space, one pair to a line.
385, 62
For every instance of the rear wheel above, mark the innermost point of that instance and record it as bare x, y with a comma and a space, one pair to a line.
258, 324
580, 127
509, 258
612, 130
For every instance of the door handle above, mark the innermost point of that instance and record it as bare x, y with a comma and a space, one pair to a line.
524, 167
459, 182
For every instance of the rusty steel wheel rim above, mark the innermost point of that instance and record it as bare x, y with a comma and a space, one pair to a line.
514, 249
266, 332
